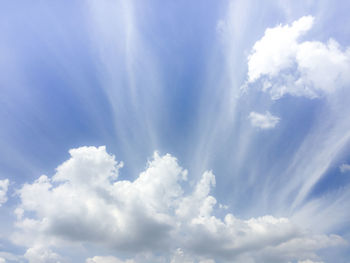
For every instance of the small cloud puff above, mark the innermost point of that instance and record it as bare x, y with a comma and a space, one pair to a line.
263, 121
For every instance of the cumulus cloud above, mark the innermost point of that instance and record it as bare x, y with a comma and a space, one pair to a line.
285, 65
2, 260
276, 50
344, 168
3, 191
263, 121
41, 255
85, 202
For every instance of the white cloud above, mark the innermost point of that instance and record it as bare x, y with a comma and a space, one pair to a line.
107, 259
276, 50
3, 191
41, 255
310, 261
285, 65
344, 168
263, 121
2, 260
84, 202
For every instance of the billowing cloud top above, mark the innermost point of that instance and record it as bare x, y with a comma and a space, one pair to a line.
286, 65
276, 50
84, 202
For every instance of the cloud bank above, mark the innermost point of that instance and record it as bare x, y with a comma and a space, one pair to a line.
85, 202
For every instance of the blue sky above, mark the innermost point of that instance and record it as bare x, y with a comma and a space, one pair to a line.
169, 131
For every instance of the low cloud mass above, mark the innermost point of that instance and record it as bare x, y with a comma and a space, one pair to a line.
84, 202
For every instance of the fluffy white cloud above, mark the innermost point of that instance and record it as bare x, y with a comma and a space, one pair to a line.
41, 255
3, 190
277, 48
84, 202
263, 121
2, 260
284, 65
344, 168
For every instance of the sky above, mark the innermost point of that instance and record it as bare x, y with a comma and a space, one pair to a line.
174, 131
